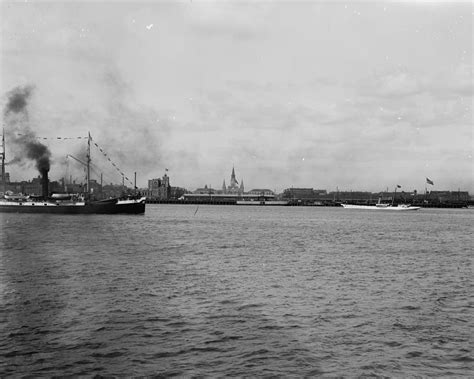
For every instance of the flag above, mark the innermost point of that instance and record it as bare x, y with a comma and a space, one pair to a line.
399, 186
429, 181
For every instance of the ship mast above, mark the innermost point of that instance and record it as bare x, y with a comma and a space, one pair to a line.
3, 162
394, 194
88, 161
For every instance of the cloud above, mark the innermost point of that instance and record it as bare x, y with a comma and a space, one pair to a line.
454, 82
129, 130
237, 21
284, 92
397, 84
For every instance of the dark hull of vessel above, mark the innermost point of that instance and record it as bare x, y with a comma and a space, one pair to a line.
97, 208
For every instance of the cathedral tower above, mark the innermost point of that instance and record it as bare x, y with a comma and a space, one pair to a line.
234, 184
233, 181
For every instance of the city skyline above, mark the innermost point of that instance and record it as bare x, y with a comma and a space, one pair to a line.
429, 185
315, 94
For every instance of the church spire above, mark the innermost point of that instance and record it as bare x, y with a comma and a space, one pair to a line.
233, 180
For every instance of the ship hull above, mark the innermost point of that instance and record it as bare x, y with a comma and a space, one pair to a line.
118, 207
379, 208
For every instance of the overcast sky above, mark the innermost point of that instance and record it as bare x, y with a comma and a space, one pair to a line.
353, 95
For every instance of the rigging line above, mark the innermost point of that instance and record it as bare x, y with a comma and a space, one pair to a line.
113, 163
81, 162
95, 168
49, 138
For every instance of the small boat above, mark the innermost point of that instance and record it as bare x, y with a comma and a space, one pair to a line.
15, 196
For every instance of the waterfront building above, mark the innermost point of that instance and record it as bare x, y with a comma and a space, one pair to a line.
177, 192
14, 187
206, 190
448, 196
320, 192
159, 188
112, 190
33, 187
261, 192
7, 178
73, 187
227, 198
298, 194
234, 187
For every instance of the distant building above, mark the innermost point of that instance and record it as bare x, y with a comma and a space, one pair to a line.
177, 192
234, 187
7, 178
205, 190
222, 197
114, 190
73, 187
14, 187
320, 192
34, 187
447, 196
261, 192
95, 188
159, 189
299, 194
361, 195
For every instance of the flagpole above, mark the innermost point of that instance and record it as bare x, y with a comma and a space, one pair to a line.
428, 181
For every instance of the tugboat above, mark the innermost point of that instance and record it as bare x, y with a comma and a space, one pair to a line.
67, 203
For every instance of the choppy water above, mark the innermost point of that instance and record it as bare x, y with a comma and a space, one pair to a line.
238, 291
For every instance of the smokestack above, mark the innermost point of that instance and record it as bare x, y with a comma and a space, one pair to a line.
44, 183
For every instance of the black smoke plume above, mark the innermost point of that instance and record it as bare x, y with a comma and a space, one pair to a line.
17, 101
39, 153
18, 130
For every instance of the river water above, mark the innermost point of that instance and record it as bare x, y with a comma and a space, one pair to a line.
238, 291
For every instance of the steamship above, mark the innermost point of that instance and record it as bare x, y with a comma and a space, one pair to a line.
387, 207
383, 206
68, 203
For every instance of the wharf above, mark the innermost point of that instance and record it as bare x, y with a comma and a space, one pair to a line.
218, 201
297, 203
